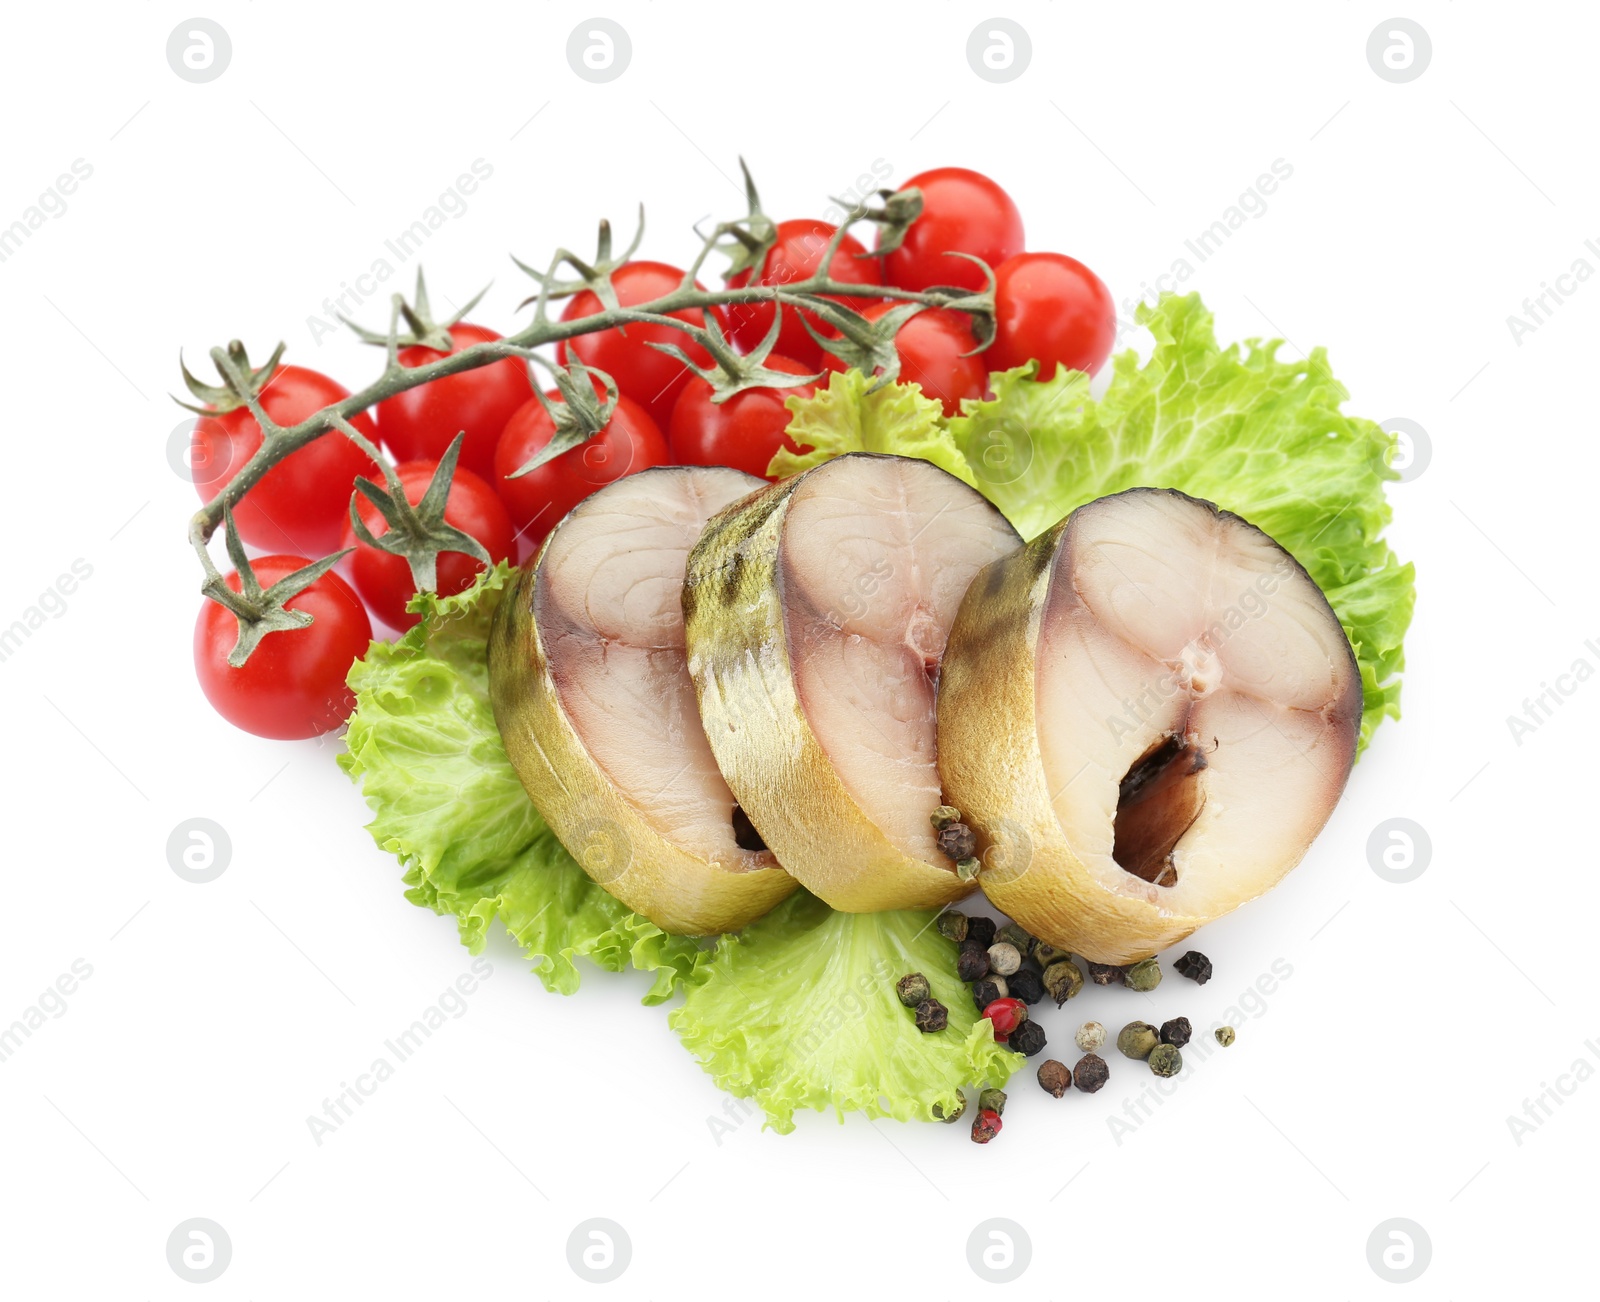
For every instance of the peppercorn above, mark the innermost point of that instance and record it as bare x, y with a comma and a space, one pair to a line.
955, 1113
957, 841
1044, 954
985, 992
953, 925
912, 988
1012, 934
1176, 1032
1006, 1015
985, 1126
1091, 1073
967, 869
1027, 1039
1055, 1078
1090, 1036
1003, 958
1137, 1039
1062, 981
1224, 1036
981, 930
1165, 1060
1194, 965
992, 1100
1143, 975
932, 1016
1105, 974
972, 964
1027, 985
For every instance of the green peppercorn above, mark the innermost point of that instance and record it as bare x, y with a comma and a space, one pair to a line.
992, 1101
1062, 981
912, 988
1090, 1036
955, 1113
1165, 1060
967, 869
1176, 1032
1091, 1073
1224, 1036
1017, 936
1137, 1039
943, 816
1004, 958
1144, 975
953, 925
932, 1016
1044, 954
1055, 1078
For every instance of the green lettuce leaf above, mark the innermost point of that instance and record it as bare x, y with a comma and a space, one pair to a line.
424, 747
799, 1010
1261, 437
851, 416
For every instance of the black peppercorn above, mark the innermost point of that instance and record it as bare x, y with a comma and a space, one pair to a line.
1026, 985
1055, 1078
981, 930
985, 992
1176, 1032
912, 988
953, 925
957, 841
1027, 1039
1090, 1073
1194, 965
972, 964
1105, 974
932, 1016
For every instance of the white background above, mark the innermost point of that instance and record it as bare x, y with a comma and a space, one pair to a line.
1378, 1080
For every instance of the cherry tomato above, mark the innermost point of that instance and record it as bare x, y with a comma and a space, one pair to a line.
962, 212
796, 256
1052, 308
293, 685
538, 500
651, 378
932, 347
384, 579
419, 424
300, 505
744, 432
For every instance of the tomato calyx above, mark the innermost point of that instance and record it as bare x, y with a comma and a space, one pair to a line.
578, 416
259, 611
732, 373
241, 382
978, 304
416, 533
746, 241
868, 346
900, 208
418, 316
593, 275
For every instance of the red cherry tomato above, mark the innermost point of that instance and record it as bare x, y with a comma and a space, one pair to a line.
300, 505
1052, 308
962, 212
293, 685
538, 500
932, 347
384, 579
744, 432
1006, 1015
650, 377
796, 256
419, 424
